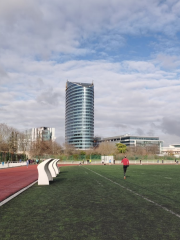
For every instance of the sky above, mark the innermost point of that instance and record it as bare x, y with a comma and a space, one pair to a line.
130, 50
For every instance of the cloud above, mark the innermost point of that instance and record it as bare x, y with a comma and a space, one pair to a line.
171, 126
150, 132
47, 29
118, 125
124, 101
169, 139
140, 131
168, 62
139, 66
3, 75
49, 97
45, 43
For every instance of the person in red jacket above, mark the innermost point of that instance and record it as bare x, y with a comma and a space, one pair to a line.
125, 162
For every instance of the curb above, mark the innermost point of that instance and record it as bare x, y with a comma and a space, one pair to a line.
16, 194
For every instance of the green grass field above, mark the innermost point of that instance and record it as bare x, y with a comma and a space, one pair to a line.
80, 204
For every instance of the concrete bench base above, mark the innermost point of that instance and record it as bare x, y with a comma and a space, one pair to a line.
47, 170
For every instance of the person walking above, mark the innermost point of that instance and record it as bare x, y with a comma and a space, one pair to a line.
27, 163
125, 162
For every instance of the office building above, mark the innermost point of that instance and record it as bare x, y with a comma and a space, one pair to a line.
79, 116
135, 141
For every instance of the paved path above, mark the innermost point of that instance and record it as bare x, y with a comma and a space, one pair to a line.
14, 179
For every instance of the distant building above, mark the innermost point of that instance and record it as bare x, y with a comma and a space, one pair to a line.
173, 149
97, 141
134, 140
32, 135
42, 133
79, 119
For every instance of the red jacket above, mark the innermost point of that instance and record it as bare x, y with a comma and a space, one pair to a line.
125, 161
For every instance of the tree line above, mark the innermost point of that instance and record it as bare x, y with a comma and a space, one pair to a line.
14, 141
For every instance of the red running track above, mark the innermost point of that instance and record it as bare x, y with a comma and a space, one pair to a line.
14, 179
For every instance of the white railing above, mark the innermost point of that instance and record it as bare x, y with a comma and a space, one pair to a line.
13, 164
136, 162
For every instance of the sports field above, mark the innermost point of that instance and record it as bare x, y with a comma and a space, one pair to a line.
95, 202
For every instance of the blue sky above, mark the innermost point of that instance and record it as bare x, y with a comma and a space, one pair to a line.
130, 51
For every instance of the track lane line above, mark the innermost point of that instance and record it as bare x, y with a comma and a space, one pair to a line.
16, 194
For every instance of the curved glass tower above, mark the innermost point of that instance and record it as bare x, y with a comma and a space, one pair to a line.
79, 126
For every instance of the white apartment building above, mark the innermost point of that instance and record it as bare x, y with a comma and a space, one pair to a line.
42, 133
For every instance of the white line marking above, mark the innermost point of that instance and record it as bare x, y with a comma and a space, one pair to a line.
167, 177
145, 198
16, 194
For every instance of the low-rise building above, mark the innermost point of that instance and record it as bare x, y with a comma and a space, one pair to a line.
134, 141
173, 149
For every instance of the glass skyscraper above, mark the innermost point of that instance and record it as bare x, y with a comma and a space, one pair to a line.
79, 125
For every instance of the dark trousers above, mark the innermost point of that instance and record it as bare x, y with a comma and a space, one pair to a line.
125, 169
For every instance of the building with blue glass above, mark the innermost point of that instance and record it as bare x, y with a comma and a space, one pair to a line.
79, 117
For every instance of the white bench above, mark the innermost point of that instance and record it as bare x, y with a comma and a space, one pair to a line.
56, 166
44, 174
52, 168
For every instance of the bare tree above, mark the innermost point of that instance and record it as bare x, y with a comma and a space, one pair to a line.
143, 150
43, 148
8, 138
106, 148
69, 149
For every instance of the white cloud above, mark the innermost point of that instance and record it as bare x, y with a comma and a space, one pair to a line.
124, 101
171, 125
44, 43
43, 28
168, 62
140, 66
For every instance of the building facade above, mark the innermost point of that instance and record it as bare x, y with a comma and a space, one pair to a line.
135, 141
173, 149
79, 116
34, 134
97, 141
41, 133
